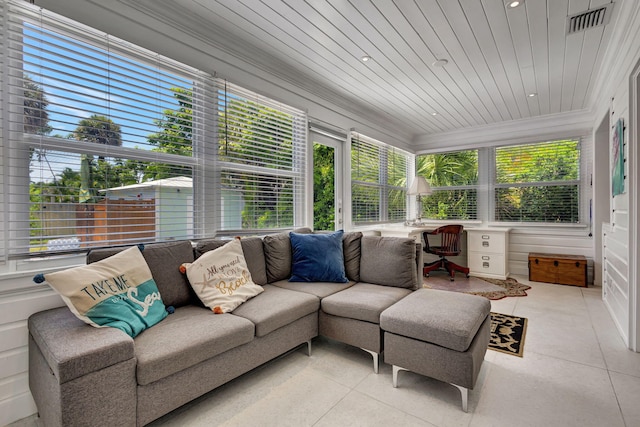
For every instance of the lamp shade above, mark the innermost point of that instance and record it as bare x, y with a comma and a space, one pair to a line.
419, 187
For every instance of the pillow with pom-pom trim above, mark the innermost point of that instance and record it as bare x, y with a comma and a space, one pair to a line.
117, 291
221, 278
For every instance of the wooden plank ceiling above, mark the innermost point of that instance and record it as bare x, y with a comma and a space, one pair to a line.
503, 63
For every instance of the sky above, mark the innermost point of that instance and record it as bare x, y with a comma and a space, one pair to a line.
80, 80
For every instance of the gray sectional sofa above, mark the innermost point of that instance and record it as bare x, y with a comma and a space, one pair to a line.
80, 375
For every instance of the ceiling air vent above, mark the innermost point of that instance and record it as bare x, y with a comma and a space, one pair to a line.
588, 19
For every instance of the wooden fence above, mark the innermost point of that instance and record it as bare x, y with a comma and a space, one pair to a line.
116, 221
112, 221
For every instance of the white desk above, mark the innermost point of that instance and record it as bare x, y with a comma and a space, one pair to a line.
413, 232
487, 248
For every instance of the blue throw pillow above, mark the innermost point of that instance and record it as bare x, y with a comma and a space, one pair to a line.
317, 258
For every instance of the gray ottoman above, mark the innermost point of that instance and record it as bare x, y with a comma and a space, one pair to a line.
439, 334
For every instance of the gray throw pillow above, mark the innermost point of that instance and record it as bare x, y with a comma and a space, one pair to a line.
277, 255
389, 261
351, 250
164, 260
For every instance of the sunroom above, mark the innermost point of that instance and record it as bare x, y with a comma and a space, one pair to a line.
147, 121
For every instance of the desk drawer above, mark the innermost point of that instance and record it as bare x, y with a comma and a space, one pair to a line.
486, 263
486, 241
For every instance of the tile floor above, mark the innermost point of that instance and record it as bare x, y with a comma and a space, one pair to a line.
575, 371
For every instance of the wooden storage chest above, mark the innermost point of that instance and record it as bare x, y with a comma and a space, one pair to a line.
561, 269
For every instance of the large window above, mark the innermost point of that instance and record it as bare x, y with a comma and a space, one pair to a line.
105, 143
261, 150
526, 183
538, 182
378, 181
453, 178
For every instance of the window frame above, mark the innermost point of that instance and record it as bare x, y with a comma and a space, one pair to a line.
295, 173
487, 183
18, 142
381, 184
203, 159
579, 183
477, 187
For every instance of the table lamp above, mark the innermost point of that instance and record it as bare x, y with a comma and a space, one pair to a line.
419, 187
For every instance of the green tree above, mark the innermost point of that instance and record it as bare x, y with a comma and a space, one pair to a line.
174, 136
96, 129
450, 170
259, 136
365, 175
397, 177
36, 117
539, 175
323, 187
268, 199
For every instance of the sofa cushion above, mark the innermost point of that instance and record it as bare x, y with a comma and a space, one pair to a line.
389, 261
277, 307
118, 291
221, 278
319, 289
253, 254
351, 250
187, 337
363, 301
164, 260
277, 254
317, 257
447, 319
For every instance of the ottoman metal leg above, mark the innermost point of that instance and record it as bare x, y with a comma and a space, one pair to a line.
375, 359
309, 348
464, 392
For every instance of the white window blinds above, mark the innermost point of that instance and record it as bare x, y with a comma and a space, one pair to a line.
262, 161
101, 137
453, 178
538, 182
378, 181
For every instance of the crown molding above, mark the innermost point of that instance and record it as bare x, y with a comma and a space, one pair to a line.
553, 126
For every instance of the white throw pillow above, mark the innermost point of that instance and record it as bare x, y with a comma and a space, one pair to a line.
221, 278
118, 291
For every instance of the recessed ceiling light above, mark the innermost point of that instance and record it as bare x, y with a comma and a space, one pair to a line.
531, 95
440, 62
434, 114
513, 4
366, 58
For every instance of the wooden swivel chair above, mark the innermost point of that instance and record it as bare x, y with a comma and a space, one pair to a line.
449, 246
